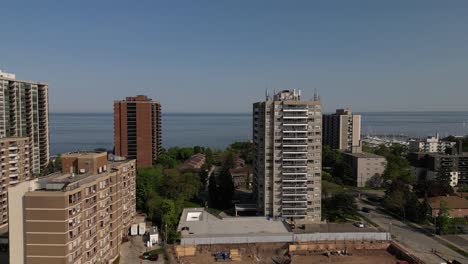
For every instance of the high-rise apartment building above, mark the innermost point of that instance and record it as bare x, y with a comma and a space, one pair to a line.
24, 113
342, 130
137, 129
15, 168
79, 215
287, 137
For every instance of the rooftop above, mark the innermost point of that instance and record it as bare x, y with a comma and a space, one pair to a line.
364, 155
453, 202
12, 77
197, 222
84, 154
68, 181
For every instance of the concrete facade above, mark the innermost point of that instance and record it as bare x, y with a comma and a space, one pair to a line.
365, 166
342, 130
15, 168
78, 217
431, 144
287, 138
137, 129
24, 112
16, 211
452, 168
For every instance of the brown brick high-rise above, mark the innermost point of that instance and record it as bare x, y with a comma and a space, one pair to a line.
137, 129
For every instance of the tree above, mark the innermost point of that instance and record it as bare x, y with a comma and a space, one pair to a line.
58, 163
443, 219
339, 207
375, 181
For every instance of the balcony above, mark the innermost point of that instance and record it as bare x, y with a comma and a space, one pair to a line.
291, 107
295, 207
294, 188
294, 201
290, 179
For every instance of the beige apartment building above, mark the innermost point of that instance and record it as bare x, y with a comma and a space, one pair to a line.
15, 168
77, 216
287, 137
24, 112
367, 168
342, 130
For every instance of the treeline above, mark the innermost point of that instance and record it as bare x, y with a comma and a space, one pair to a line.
335, 169
162, 191
161, 194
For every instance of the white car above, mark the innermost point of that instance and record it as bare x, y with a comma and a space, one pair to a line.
359, 224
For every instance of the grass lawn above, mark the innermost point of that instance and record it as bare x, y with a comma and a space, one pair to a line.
332, 187
188, 204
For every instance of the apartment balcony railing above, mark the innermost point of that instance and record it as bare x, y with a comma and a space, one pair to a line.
294, 200
294, 189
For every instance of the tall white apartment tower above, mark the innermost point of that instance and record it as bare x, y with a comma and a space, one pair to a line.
287, 135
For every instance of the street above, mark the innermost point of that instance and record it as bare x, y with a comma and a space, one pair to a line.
416, 242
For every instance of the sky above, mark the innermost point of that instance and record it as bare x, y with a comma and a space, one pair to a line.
219, 56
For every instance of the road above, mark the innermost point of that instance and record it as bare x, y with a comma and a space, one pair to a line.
416, 242
131, 251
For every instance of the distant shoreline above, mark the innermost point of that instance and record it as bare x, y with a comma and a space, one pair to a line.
249, 113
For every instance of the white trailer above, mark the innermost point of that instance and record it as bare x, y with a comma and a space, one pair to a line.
153, 236
141, 228
134, 230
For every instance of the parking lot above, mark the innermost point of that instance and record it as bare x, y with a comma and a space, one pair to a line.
133, 249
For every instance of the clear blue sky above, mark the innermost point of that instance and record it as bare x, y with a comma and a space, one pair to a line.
218, 56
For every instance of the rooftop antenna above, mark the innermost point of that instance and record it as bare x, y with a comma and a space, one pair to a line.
316, 95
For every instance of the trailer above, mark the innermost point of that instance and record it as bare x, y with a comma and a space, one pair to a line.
153, 235
141, 228
134, 230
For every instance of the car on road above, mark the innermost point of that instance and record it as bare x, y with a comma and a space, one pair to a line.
359, 224
150, 256
366, 209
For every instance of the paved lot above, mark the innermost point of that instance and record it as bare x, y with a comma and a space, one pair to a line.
419, 244
133, 249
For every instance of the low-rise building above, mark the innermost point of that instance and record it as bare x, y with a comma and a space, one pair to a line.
79, 215
241, 177
431, 144
457, 206
367, 168
194, 163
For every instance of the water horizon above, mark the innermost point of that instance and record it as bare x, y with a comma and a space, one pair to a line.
87, 131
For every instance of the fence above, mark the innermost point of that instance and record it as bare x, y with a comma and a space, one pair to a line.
285, 238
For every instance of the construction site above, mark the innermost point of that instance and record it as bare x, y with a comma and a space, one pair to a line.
209, 239
361, 252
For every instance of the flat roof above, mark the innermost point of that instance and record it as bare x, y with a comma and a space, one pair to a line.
23, 81
366, 155
197, 222
59, 181
453, 202
85, 154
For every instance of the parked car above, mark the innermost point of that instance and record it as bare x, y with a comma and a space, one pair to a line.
359, 224
366, 209
150, 256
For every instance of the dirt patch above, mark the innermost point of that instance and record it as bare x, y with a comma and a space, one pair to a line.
358, 257
265, 253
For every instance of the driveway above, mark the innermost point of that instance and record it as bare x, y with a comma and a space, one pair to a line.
417, 243
132, 250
